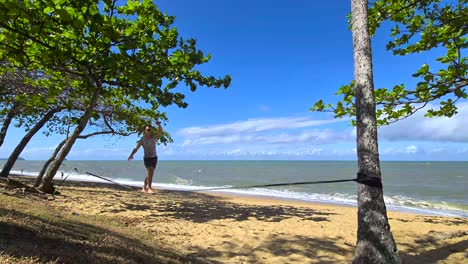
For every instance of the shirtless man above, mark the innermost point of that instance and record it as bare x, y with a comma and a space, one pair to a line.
148, 141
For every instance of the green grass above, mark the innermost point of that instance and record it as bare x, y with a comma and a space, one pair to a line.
32, 231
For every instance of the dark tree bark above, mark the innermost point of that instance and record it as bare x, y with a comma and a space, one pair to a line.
47, 182
375, 243
39, 178
24, 141
6, 123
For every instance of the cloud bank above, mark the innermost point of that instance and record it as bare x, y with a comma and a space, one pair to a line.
438, 129
253, 126
303, 137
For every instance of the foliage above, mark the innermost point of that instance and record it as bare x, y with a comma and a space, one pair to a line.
130, 53
22, 98
418, 26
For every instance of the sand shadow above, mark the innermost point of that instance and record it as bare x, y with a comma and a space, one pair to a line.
292, 250
416, 253
201, 208
412, 254
191, 206
68, 241
443, 220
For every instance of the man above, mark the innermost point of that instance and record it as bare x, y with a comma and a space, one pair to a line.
150, 158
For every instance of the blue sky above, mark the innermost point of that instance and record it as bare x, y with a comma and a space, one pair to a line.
282, 56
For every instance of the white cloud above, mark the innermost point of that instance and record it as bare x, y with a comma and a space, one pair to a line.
263, 131
462, 151
313, 136
412, 149
417, 137
437, 150
253, 126
259, 151
418, 127
236, 151
401, 150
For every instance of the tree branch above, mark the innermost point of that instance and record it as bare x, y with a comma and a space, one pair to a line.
6, 26
104, 133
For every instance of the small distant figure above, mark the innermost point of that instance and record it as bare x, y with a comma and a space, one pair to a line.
61, 174
150, 158
21, 171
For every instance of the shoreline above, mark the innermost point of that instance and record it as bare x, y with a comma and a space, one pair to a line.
224, 228
390, 208
242, 193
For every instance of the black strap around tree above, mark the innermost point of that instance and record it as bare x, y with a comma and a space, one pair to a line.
273, 185
372, 181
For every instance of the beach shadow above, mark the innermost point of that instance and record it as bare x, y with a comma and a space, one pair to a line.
201, 208
136, 207
89, 185
414, 252
291, 250
442, 252
191, 206
68, 241
446, 221
455, 221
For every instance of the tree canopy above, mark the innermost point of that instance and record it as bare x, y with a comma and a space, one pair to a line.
132, 52
417, 26
128, 54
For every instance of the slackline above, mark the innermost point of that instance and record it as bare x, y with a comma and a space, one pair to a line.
100, 177
273, 185
97, 176
361, 178
241, 187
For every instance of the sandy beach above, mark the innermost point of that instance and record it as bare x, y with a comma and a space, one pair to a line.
233, 229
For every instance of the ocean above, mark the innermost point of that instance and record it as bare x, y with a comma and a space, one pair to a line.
434, 188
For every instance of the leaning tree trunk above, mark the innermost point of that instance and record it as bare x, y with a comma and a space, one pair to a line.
375, 243
47, 182
7, 121
57, 149
38, 180
24, 141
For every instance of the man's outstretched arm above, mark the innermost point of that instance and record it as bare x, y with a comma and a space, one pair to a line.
134, 151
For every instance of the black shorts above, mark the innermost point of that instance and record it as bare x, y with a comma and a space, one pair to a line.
151, 162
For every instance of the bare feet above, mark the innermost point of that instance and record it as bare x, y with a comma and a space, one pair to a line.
150, 190
144, 190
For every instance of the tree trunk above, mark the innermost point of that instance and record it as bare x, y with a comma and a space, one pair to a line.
6, 123
375, 243
47, 183
24, 141
57, 149
38, 180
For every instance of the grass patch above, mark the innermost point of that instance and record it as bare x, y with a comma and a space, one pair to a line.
33, 231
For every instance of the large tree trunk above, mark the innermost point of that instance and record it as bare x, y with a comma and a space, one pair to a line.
7, 121
47, 185
375, 243
24, 141
38, 180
